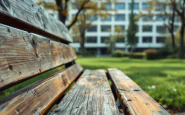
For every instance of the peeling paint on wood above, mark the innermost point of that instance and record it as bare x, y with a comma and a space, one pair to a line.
133, 97
23, 55
40, 96
91, 95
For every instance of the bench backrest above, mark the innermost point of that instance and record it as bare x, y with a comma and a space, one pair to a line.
31, 43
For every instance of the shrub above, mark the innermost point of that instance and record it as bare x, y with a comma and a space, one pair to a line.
151, 54
126, 54
118, 53
87, 53
173, 56
139, 55
165, 52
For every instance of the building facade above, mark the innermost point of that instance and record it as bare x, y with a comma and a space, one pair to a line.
151, 29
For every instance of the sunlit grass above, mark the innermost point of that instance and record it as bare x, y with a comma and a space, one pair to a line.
164, 80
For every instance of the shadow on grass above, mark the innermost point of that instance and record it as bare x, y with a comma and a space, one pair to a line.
123, 60
31, 81
136, 61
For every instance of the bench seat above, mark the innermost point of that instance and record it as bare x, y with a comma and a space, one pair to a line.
91, 95
132, 98
39, 97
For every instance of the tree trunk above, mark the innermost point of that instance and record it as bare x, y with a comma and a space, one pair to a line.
181, 53
131, 48
173, 41
82, 43
113, 48
172, 30
62, 17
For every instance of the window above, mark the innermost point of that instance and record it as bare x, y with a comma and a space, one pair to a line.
159, 7
106, 19
136, 6
177, 18
160, 18
108, 6
147, 18
91, 39
120, 17
120, 40
92, 51
176, 28
105, 28
120, 6
147, 28
92, 18
160, 39
92, 29
145, 6
120, 26
161, 29
105, 39
147, 39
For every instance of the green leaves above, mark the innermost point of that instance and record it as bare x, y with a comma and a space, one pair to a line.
132, 29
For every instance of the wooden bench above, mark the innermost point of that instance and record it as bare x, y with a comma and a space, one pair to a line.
32, 43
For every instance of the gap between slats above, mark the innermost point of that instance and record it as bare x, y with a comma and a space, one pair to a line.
71, 77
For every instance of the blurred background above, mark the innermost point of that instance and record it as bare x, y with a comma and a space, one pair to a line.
100, 28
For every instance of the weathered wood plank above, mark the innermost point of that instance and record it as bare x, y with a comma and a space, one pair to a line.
40, 96
23, 55
133, 97
26, 15
91, 95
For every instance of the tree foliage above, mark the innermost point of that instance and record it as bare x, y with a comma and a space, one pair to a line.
115, 36
179, 7
62, 6
169, 19
85, 20
132, 29
176, 10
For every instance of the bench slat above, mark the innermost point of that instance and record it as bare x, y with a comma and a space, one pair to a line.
23, 55
133, 97
39, 97
26, 15
91, 95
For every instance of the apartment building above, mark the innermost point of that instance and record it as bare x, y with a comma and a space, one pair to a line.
151, 30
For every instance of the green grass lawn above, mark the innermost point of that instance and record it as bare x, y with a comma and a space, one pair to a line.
164, 80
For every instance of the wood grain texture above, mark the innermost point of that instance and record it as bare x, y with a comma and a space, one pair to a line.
33, 16
136, 101
23, 55
40, 96
91, 95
